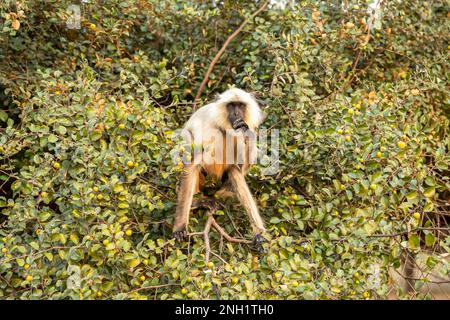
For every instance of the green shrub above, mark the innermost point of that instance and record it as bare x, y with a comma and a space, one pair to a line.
88, 184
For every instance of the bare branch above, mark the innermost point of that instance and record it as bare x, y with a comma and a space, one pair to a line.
222, 50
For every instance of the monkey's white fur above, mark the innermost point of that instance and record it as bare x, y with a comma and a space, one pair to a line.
210, 128
213, 115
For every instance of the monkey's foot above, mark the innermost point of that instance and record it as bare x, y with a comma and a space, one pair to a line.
180, 235
257, 243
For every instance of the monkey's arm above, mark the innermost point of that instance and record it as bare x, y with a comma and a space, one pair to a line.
189, 180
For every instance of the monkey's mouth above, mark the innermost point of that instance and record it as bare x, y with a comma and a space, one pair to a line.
240, 124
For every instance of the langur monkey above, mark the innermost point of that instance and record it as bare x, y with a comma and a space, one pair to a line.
222, 134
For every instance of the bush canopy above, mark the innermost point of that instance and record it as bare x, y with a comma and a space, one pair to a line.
91, 93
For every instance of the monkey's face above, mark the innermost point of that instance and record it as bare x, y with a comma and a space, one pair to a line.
236, 112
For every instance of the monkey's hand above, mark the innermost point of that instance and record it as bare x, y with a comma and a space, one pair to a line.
257, 243
240, 124
180, 235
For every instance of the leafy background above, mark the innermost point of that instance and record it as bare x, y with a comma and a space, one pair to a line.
87, 184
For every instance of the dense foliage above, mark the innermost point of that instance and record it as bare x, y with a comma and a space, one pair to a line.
87, 183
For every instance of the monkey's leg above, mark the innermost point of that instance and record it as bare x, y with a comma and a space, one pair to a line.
189, 180
237, 180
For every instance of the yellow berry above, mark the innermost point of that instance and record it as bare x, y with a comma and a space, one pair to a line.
142, 278
56, 165
4, 250
348, 138
235, 280
148, 121
106, 242
416, 215
373, 186
95, 189
121, 126
351, 111
26, 266
130, 164
129, 232
340, 131
44, 194
100, 197
99, 294
280, 210
295, 284
210, 265
366, 294
184, 291
401, 145
379, 154
145, 262
29, 278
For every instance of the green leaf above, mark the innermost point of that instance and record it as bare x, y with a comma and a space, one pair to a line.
34, 245
133, 263
414, 241
52, 138
429, 192
411, 195
275, 220
430, 239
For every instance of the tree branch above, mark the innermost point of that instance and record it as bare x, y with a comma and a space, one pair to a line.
211, 222
222, 50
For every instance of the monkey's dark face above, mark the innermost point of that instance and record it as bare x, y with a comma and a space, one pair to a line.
236, 112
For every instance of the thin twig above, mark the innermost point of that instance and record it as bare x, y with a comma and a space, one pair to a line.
411, 231
427, 280
155, 287
224, 234
211, 222
222, 50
